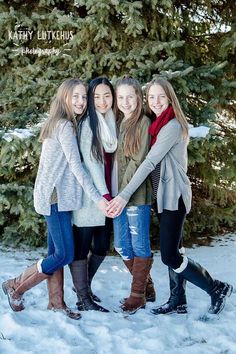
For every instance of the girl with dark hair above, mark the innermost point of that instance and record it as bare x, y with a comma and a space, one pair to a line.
58, 190
97, 136
167, 161
131, 227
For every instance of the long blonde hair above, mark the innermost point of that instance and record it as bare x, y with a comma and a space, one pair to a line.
132, 136
61, 108
170, 93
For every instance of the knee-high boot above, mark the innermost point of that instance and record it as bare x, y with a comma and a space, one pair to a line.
177, 300
177, 289
15, 288
150, 293
56, 295
129, 265
200, 277
79, 272
140, 271
94, 262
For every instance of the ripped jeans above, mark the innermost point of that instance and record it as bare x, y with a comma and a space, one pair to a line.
131, 232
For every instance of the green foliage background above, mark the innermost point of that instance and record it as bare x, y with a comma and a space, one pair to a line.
191, 43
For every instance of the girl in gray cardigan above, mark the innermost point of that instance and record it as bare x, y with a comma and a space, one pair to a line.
168, 156
58, 190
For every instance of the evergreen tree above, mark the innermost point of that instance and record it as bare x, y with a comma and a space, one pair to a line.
191, 43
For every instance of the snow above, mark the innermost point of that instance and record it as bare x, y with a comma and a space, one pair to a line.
194, 132
19, 133
198, 132
37, 330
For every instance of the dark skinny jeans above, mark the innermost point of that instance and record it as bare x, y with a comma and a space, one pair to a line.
171, 231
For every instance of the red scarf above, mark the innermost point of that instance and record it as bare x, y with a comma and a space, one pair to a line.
159, 122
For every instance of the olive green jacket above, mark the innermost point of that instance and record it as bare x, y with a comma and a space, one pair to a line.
127, 166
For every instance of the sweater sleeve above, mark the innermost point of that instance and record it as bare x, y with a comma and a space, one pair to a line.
138, 158
67, 139
95, 168
167, 137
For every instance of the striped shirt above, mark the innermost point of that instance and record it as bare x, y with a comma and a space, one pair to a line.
155, 179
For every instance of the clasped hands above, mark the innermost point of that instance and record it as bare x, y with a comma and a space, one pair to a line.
112, 208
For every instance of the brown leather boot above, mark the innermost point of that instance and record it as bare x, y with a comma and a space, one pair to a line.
140, 271
150, 293
56, 295
15, 288
129, 264
150, 290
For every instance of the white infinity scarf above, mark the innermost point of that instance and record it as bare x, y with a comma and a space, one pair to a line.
107, 127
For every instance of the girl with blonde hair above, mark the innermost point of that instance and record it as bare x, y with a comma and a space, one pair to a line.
131, 227
58, 190
167, 161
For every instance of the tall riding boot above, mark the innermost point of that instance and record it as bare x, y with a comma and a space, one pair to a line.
140, 271
79, 272
94, 262
129, 264
177, 300
177, 291
15, 288
150, 290
56, 295
200, 277
150, 293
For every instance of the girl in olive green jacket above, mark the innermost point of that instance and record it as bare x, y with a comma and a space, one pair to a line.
131, 227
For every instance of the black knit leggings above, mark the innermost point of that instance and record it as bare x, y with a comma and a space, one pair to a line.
171, 230
94, 238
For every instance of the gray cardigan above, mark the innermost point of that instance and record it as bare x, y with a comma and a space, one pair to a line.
60, 167
171, 149
88, 214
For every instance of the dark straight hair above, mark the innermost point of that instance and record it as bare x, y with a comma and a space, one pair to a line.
97, 150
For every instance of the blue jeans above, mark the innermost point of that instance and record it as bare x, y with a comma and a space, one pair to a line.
131, 232
60, 240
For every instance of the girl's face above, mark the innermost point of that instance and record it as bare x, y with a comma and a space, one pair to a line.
127, 99
79, 99
103, 98
157, 99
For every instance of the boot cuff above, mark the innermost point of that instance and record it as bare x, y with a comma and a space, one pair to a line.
39, 266
183, 265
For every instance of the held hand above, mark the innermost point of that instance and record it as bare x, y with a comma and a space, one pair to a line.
116, 206
103, 205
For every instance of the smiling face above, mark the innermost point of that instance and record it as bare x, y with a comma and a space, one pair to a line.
157, 99
79, 99
103, 98
127, 99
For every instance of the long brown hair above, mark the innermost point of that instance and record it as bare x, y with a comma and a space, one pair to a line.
60, 109
170, 93
132, 137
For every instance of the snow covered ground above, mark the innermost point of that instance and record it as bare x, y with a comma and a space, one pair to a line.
37, 330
